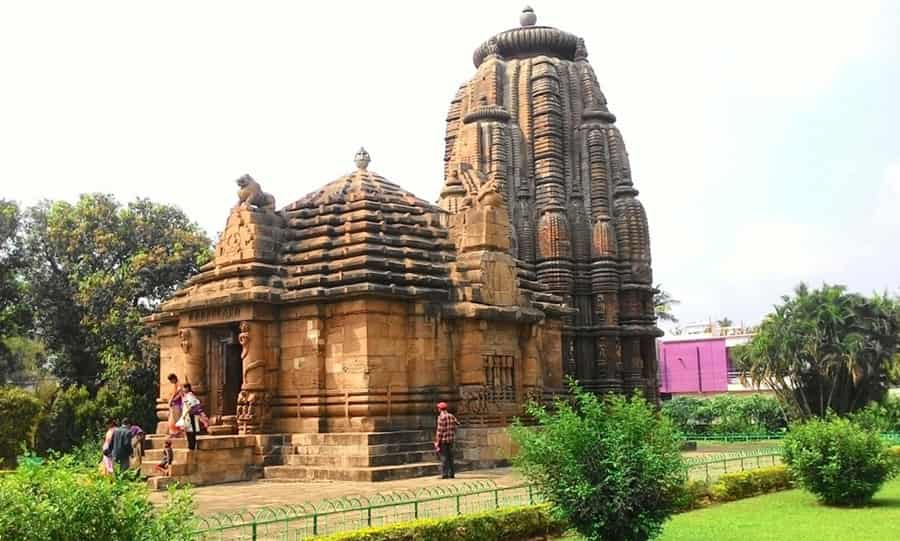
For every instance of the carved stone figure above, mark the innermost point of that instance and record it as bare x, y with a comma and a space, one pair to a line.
184, 340
489, 195
253, 411
473, 400
251, 195
244, 339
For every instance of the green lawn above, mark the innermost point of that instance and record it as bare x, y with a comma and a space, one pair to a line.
788, 515
792, 514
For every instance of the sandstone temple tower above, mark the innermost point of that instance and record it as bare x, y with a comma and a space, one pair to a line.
534, 121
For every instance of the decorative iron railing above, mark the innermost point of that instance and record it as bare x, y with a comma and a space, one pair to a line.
893, 437
306, 520
709, 468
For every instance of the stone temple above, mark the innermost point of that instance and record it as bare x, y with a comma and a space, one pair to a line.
322, 334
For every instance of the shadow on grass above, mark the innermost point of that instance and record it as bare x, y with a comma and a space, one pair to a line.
884, 502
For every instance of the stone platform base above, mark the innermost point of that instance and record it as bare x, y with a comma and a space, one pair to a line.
484, 447
359, 456
340, 456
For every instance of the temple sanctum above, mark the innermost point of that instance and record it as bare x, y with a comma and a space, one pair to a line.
322, 334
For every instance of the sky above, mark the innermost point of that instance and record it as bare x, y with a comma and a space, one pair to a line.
762, 135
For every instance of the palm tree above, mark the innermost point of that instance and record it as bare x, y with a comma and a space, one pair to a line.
725, 322
825, 349
663, 303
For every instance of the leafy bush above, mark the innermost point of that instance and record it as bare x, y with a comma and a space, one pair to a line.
745, 484
74, 418
879, 416
611, 466
838, 461
504, 524
893, 454
70, 418
725, 414
19, 411
694, 495
62, 501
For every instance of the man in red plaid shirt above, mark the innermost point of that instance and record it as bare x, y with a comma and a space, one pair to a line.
443, 440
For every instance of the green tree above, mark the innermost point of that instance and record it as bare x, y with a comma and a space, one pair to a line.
663, 302
611, 466
93, 270
19, 412
824, 349
725, 322
14, 317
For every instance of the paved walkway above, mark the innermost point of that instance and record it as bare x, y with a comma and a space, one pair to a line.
233, 497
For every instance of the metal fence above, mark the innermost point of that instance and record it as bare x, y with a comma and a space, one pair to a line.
710, 468
303, 521
729, 438
891, 437
293, 522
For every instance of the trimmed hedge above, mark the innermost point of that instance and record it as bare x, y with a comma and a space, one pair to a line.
746, 484
501, 525
735, 486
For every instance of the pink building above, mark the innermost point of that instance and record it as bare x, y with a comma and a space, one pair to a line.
698, 362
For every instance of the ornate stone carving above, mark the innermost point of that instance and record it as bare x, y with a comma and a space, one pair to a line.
489, 195
362, 159
253, 411
473, 400
579, 225
194, 360
244, 339
251, 195
184, 340
252, 358
528, 17
580, 228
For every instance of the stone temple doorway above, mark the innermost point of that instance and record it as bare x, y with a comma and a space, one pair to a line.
223, 357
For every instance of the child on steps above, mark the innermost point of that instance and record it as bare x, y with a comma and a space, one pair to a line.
168, 458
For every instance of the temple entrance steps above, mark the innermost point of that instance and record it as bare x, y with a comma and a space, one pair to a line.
217, 459
335, 456
360, 456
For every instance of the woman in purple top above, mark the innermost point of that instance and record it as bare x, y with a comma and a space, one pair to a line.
174, 404
137, 443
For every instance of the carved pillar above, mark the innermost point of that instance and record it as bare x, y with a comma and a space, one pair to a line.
253, 408
634, 365
192, 343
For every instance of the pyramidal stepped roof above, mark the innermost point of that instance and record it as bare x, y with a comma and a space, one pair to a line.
363, 233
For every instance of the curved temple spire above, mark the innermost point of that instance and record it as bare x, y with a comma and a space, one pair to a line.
533, 118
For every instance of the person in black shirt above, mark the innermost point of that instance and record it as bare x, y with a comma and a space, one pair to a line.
120, 448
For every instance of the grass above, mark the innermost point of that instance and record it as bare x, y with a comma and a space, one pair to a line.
793, 514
